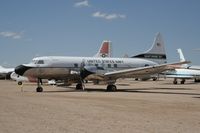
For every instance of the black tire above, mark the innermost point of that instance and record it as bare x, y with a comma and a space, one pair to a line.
175, 82
154, 79
111, 88
196, 80
79, 87
114, 88
182, 81
39, 89
19, 83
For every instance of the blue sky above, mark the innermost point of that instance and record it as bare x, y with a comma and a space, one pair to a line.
30, 28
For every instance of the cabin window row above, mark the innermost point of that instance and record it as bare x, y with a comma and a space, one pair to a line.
97, 65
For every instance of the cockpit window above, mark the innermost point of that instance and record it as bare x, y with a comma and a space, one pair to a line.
40, 62
37, 62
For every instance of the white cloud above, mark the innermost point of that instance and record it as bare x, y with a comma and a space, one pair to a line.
13, 35
99, 15
108, 16
84, 3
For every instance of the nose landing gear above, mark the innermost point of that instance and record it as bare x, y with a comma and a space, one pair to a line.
39, 87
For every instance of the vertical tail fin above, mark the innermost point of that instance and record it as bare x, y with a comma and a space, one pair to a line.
104, 50
157, 51
182, 58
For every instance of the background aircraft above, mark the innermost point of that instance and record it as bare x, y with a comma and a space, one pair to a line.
20, 79
156, 54
185, 71
105, 49
5, 72
182, 58
157, 51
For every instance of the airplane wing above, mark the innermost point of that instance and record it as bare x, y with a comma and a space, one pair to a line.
142, 71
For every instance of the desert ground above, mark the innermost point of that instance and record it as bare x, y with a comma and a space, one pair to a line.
137, 107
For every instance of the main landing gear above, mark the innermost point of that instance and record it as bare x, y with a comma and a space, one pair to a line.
111, 87
80, 86
176, 82
196, 80
39, 88
183, 81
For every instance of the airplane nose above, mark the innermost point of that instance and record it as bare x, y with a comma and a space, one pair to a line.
20, 70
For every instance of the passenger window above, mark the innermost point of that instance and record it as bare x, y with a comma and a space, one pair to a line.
115, 65
96, 65
109, 65
146, 65
40, 62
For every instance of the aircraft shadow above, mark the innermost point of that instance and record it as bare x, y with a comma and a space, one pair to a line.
156, 92
196, 97
141, 90
187, 83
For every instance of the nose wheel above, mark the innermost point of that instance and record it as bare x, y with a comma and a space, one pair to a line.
39, 88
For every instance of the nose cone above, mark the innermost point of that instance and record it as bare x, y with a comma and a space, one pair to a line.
20, 70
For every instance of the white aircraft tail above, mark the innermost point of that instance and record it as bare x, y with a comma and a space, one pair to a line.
182, 58
156, 53
104, 50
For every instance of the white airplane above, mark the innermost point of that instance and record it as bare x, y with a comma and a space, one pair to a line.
5, 72
77, 69
157, 51
104, 51
20, 79
182, 58
156, 54
184, 72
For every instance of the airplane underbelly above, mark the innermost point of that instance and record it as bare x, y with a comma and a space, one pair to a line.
48, 73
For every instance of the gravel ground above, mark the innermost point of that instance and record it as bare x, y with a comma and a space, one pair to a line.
139, 107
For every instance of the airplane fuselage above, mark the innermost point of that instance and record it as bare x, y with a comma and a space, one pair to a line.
183, 73
58, 67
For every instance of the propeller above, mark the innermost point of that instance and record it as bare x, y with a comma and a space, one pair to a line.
87, 70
